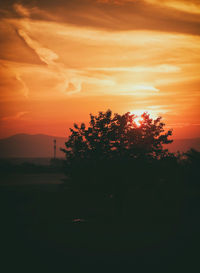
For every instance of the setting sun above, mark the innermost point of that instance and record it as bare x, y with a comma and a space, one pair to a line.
138, 120
138, 115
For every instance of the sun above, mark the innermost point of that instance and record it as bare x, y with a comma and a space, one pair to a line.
138, 113
138, 121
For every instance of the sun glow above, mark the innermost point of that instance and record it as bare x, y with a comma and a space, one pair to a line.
138, 121
138, 113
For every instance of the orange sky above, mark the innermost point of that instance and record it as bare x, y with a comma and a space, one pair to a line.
61, 60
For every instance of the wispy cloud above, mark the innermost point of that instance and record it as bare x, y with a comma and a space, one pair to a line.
17, 116
21, 10
49, 57
137, 90
191, 6
71, 87
180, 16
70, 80
25, 89
164, 68
72, 58
46, 55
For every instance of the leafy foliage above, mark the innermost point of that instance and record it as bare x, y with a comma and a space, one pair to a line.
191, 164
117, 136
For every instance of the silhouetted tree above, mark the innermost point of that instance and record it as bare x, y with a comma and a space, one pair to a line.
193, 157
114, 152
191, 164
117, 136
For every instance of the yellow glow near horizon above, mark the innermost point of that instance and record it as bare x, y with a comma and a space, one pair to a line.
138, 115
153, 112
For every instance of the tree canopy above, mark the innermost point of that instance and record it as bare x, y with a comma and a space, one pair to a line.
118, 136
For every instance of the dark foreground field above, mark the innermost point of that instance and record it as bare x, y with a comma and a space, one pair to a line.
41, 231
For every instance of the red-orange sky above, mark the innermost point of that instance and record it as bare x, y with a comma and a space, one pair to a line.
62, 60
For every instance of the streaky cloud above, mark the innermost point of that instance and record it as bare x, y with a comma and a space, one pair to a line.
46, 55
151, 69
17, 116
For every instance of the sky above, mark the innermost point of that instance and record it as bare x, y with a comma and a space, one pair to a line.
62, 60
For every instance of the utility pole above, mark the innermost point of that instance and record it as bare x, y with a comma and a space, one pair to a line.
54, 148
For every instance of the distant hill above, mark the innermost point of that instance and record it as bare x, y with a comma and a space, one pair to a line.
184, 145
30, 146
41, 146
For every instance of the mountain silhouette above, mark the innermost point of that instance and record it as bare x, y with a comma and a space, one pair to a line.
38, 146
26, 146
185, 144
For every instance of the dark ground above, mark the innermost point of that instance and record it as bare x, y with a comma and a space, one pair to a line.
38, 232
